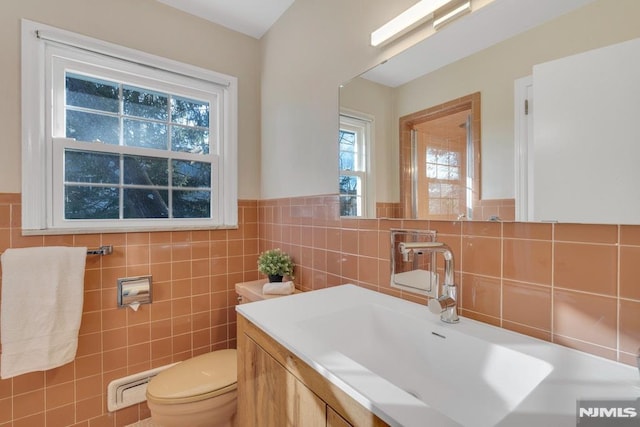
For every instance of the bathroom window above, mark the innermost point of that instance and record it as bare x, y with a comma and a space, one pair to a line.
354, 166
126, 140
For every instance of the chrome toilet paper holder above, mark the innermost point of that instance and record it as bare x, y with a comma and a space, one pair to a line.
134, 290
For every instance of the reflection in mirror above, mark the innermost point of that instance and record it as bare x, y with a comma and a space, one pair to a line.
440, 161
492, 71
354, 153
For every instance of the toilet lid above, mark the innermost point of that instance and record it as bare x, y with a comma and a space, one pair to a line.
199, 378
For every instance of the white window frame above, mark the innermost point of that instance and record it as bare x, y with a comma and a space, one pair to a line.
43, 47
362, 125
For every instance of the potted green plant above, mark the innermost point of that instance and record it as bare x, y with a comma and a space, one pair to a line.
275, 264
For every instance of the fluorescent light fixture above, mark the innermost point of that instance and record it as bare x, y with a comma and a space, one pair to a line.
458, 11
407, 20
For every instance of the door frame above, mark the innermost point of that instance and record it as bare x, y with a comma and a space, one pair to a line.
523, 139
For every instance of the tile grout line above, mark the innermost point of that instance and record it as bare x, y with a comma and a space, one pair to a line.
553, 281
618, 305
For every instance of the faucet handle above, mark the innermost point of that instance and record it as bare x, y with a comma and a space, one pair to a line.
434, 306
439, 305
445, 306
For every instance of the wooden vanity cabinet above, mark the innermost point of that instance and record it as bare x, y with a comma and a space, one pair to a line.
334, 419
276, 389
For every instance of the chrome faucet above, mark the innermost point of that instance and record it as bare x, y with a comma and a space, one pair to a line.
445, 304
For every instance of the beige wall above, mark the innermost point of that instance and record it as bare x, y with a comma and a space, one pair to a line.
314, 47
148, 26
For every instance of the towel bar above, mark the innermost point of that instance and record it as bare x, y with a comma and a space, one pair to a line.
102, 250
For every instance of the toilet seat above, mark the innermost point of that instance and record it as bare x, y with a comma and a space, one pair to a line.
199, 378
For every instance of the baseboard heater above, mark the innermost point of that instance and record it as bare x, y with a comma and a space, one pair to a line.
128, 391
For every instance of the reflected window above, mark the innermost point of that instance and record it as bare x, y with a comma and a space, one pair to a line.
354, 147
442, 148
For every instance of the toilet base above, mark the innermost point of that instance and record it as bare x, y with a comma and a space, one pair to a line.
219, 411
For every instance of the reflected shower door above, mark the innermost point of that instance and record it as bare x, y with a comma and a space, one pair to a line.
442, 182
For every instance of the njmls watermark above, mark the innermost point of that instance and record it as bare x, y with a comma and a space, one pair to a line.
605, 413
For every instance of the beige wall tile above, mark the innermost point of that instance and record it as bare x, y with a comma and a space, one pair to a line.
630, 272
630, 326
585, 317
586, 267
481, 255
527, 304
527, 260
587, 233
481, 294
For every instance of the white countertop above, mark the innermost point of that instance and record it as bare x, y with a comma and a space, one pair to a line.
568, 374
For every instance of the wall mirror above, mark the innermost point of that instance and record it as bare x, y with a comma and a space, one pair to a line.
461, 59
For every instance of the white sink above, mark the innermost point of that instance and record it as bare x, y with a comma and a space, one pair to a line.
475, 381
410, 369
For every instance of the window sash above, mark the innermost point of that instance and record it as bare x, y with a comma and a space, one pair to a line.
359, 149
57, 187
62, 61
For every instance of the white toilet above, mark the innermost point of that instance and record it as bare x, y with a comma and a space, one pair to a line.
199, 392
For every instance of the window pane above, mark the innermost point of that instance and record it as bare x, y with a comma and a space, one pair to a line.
91, 202
442, 172
83, 166
350, 196
435, 207
448, 190
91, 127
189, 140
139, 133
347, 161
349, 205
349, 185
432, 155
454, 158
189, 112
145, 203
191, 174
443, 157
454, 173
87, 92
191, 204
144, 103
347, 140
140, 170
434, 190
431, 171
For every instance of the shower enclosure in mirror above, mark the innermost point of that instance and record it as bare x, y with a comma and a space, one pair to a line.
440, 161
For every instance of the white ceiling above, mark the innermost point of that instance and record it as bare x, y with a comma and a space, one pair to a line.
251, 17
497, 21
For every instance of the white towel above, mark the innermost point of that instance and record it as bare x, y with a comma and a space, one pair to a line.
278, 288
41, 308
